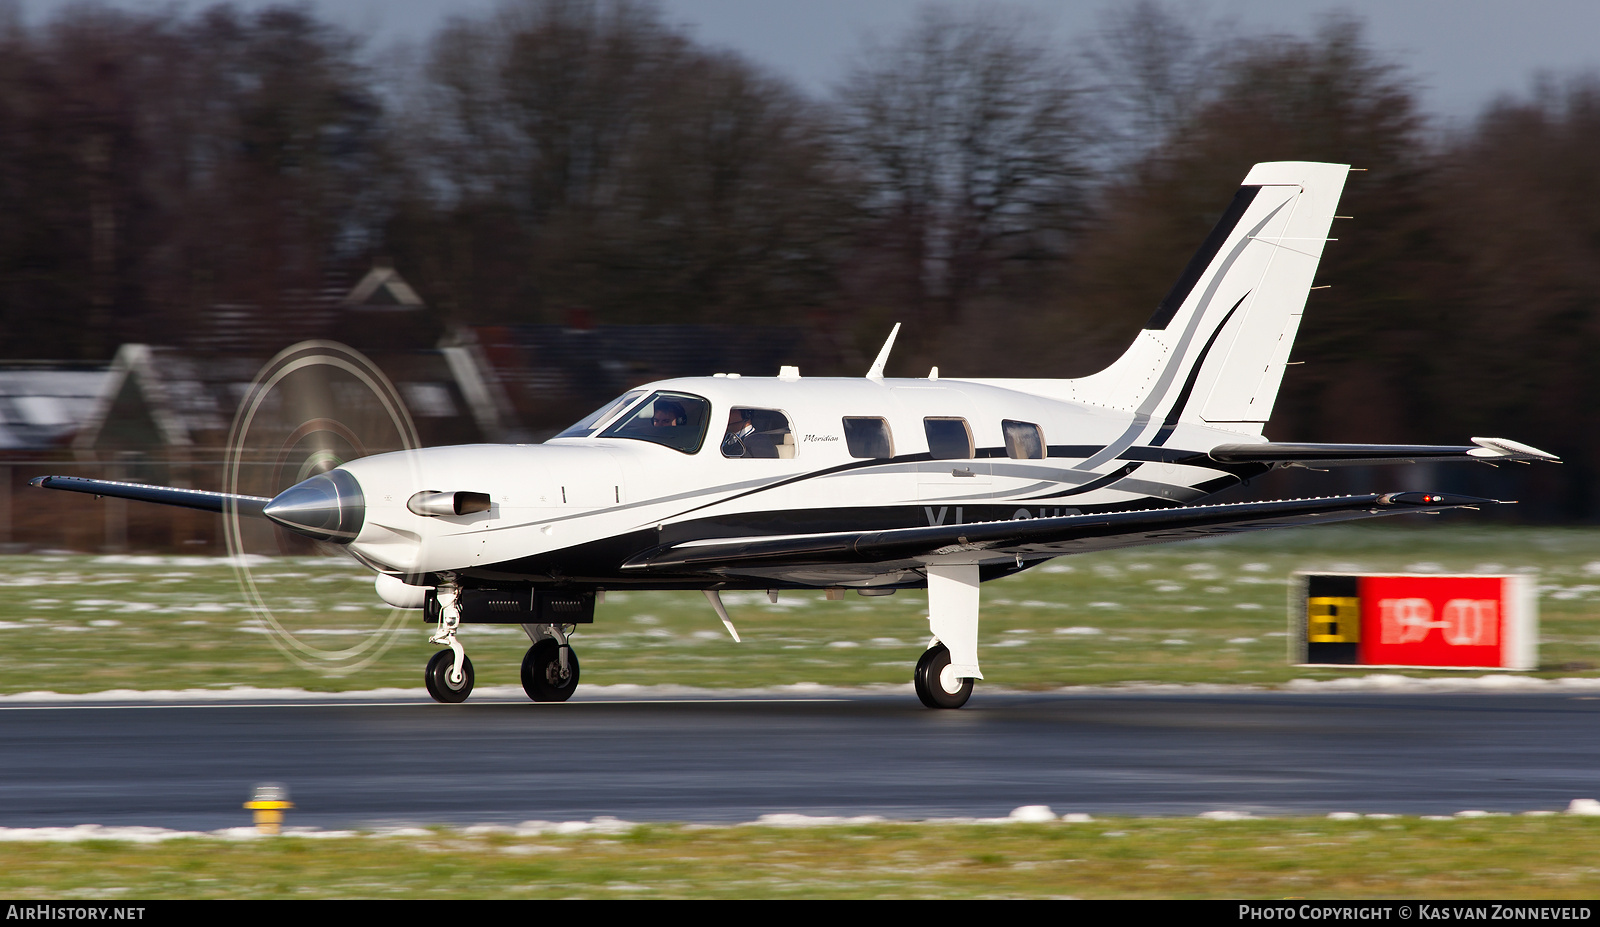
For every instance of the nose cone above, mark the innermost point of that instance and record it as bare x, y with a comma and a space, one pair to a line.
327, 507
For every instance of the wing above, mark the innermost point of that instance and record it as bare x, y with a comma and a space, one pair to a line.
908, 548
165, 495
1483, 450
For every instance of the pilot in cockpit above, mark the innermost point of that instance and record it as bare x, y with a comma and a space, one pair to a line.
668, 414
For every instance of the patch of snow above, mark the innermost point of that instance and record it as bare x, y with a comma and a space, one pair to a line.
811, 820
1032, 814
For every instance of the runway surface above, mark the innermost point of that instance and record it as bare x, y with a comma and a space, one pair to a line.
725, 760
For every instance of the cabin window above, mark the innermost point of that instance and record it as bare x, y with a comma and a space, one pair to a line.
758, 433
598, 419
948, 438
868, 437
1024, 440
677, 420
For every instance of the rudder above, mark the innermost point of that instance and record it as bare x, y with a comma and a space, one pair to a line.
1215, 349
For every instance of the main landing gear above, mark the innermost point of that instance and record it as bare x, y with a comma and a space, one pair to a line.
550, 668
945, 674
936, 682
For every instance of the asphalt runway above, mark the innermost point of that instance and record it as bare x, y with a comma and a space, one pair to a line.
725, 760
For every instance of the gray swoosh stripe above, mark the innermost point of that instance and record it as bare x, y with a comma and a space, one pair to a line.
1176, 493
1158, 394
676, 497
1000, 495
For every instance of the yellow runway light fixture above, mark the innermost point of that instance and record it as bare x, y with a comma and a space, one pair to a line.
269, 801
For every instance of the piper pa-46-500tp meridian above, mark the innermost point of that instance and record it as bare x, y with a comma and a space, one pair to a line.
873, 484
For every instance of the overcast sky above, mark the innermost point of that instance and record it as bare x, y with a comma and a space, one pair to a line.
1464, 52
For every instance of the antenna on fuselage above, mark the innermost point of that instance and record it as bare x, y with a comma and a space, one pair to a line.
876, 373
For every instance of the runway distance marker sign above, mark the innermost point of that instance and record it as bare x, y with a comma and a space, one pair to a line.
1414, 620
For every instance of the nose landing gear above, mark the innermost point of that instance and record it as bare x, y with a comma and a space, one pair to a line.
449, 673
444, 683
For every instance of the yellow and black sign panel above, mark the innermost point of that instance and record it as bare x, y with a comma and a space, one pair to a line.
1328, 615
1333, 619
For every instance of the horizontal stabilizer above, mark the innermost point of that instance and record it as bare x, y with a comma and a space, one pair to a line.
1068, 534
164, 495
1490, 450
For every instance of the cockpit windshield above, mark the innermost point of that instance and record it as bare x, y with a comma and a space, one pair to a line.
600, 417
677, 420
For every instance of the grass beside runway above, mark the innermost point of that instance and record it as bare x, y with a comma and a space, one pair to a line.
1197, 612
1500, 858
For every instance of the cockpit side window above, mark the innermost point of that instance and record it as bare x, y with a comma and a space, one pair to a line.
1024, 440
677, 420
949, 438
597, 419
868, 437
758, 433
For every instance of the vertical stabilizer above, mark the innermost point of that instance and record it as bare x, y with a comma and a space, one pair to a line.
1215, 349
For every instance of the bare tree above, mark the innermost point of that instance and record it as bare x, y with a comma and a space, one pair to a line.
1519, 319
968, 137
588, 159
1151, 68
152, 164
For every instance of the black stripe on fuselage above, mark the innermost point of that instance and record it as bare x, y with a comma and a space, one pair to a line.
1093, 484
1069, 451
598, 563
1139, 454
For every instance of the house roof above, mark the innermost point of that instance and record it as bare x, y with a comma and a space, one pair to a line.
190, 399
43, 403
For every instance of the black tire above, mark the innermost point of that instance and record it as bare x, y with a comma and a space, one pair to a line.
437, 677
542, 678
930, 670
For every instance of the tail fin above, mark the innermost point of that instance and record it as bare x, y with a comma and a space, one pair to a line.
1215, 350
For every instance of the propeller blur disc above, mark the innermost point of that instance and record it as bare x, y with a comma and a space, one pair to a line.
313, 407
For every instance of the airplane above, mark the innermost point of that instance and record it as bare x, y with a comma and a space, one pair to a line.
876, 484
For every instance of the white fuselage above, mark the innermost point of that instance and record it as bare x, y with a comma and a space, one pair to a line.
583, 494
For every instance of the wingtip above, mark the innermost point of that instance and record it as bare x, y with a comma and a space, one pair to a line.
1491, 448
1434, 499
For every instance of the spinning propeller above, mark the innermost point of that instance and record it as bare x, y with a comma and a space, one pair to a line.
313, 407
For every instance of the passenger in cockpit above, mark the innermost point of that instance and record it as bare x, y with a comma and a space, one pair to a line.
740, 426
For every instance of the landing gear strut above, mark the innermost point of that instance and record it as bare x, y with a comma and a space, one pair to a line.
945, 673
449, 672
550, 667
936, 682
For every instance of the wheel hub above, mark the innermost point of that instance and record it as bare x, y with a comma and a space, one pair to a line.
948, 680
